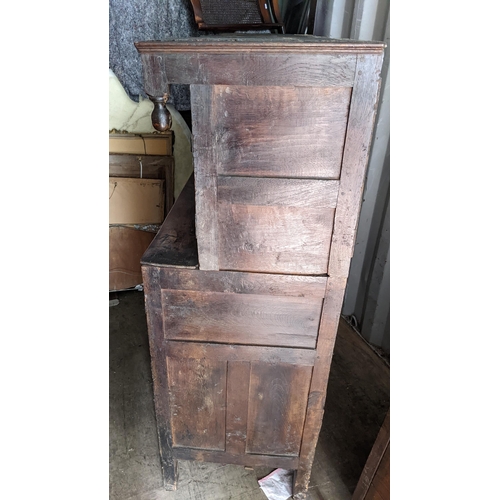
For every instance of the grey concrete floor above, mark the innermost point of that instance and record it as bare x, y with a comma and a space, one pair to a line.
356, 404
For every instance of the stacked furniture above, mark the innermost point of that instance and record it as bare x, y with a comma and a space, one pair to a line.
244, 283
141, 189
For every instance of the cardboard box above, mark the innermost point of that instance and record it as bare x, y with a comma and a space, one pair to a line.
144, 144
126, 247
136, 201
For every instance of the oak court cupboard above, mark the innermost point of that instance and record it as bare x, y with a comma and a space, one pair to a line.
244, 283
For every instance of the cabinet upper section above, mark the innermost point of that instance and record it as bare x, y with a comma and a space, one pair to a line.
299, 60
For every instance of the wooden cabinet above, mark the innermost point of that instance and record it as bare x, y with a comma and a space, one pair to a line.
244, 283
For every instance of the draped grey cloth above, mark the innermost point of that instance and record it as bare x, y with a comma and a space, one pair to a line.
139, 20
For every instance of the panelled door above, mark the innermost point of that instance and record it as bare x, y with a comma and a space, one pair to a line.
236, 403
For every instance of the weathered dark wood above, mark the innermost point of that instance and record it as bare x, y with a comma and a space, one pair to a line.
228, 352
294, 240
277, 408
356, 152
175, 243
205, 160
374, 481
267, 191
197, 397
360, 126
282, 129
246, 459
260, 44
253, 283
241, 318
268, 131
238, 382
154, 318
381, 484
274, 69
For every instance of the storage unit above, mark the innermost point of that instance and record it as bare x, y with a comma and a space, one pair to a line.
245, 281
141, 190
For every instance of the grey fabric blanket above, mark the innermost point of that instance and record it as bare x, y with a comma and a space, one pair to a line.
138, 20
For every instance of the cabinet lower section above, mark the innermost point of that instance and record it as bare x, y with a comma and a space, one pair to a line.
237, 401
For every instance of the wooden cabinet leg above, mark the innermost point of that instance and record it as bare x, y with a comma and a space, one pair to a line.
168, 462
301, 480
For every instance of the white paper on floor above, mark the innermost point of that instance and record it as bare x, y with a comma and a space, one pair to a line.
277, 485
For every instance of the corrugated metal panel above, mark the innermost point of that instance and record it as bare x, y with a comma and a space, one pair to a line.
368, 296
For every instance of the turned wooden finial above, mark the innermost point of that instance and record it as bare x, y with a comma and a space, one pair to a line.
161, 118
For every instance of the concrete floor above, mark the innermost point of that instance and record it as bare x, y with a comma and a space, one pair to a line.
356, 404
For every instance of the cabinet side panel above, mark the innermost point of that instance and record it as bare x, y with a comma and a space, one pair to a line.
281, 131
277, 408
241, 318
205, 158
197, 391
293, 240
238, 379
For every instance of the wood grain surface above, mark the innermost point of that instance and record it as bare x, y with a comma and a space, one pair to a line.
281, 142
152, 297
274, 239
241, 318
175, 243
359, 132
280, 131
197, 393
228, 352
312, 287
266, 191
276, 408
238, 382
303, 70
205, 157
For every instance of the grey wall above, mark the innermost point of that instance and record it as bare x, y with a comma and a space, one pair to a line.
367, 299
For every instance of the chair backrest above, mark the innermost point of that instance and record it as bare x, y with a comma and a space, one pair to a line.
237, 15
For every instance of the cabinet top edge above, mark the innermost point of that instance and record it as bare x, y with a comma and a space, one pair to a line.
263, 44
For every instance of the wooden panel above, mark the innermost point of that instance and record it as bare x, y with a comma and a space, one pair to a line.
277, 239
225, 352
309, 70
278, 192
205, 153
236, 282
238, 379
380, 487
197, 392
175, 243
259, 44
277, 408
357, 150
374, 462
280, 131
241, 318
359, 132
159, 371
270, 461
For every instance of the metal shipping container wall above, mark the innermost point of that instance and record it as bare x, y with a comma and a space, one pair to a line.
367, 295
